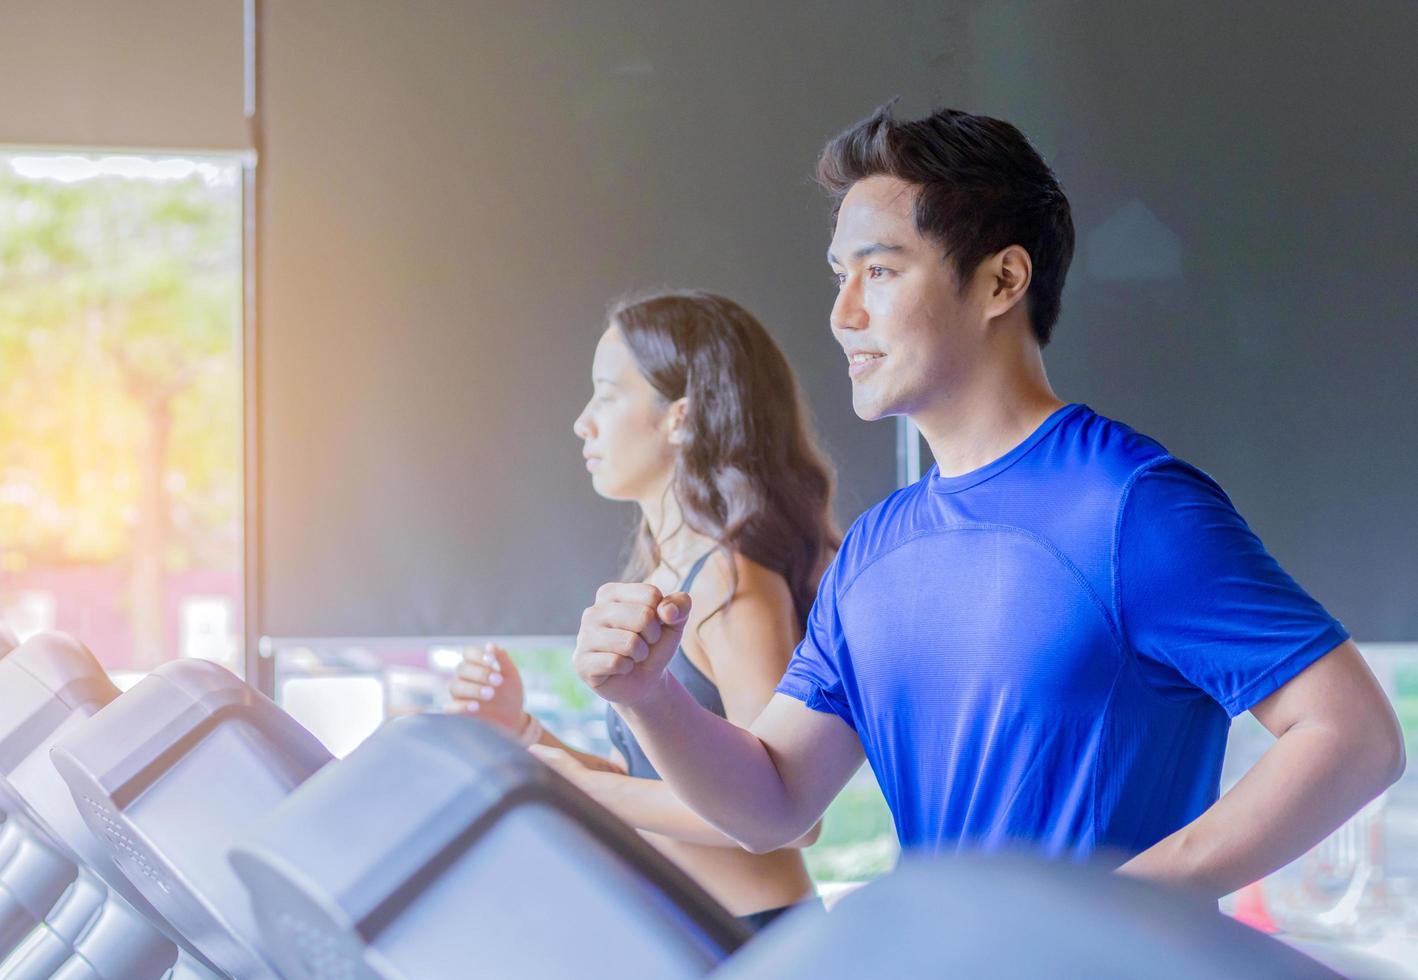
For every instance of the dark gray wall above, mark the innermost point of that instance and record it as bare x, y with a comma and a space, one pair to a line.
1245, 288
454, 192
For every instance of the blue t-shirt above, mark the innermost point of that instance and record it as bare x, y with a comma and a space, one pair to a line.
1047, 652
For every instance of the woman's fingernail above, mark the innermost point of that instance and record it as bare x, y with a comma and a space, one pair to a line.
487, 693
490, 660
495, 680
471, 706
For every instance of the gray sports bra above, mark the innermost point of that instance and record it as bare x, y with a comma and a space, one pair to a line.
701, 688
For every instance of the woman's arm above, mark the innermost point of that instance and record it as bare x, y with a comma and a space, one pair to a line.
589, 762
488, 686
647, 804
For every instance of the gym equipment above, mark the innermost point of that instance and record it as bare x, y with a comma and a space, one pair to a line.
167, 775
1008, 916
61, 917
440, 849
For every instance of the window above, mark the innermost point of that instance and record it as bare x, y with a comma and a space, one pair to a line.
120, 403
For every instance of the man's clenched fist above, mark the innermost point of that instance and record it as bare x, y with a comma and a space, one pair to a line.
627, 638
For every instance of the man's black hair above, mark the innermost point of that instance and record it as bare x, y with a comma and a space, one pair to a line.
981, 188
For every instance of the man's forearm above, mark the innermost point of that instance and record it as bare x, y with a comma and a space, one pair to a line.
1308, 783
723, 773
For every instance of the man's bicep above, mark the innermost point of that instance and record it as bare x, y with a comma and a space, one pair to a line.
1338, 689
815, 752
1202, 604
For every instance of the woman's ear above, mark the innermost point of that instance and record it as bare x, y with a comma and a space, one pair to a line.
675, 419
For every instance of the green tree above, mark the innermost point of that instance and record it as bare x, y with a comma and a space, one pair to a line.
120, 379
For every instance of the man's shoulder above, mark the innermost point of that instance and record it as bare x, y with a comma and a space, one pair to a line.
1121, 456
1103, 449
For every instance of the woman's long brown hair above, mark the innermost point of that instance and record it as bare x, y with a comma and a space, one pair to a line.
749, 474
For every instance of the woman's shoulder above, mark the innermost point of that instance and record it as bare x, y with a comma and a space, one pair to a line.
739, 606
732, 574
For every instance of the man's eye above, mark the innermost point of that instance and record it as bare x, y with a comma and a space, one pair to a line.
839, 279
876, 271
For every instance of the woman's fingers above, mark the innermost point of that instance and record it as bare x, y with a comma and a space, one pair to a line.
481, 655
501, 659
479, 674
471, 690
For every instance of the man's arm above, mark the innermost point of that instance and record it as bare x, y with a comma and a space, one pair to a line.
1338, 745
763, 787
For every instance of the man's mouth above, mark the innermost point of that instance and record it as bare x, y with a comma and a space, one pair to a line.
861, 361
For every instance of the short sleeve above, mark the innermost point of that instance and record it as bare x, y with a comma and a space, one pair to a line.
815, 673
1202, 604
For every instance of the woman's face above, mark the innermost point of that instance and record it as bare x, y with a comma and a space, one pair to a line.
626, 426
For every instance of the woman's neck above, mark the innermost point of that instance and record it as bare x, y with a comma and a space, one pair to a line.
679, 545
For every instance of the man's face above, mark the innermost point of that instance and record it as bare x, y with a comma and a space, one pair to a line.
909, 334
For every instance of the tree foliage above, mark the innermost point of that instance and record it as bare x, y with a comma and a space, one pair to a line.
120, 372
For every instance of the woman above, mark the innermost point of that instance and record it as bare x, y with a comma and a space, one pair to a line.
696, 417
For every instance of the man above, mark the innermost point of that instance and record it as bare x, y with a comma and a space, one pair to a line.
1042, 642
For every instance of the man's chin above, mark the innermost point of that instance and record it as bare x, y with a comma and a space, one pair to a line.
870, 411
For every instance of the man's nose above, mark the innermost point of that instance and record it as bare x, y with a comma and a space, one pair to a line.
848, 313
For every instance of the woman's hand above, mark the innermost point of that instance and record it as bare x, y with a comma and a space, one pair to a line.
488, 685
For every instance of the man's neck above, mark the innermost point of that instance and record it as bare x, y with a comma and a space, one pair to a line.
997, 410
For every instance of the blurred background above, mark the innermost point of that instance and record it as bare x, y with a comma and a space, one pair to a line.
297, 304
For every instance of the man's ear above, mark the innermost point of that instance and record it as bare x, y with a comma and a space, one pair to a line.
1009, 273
675, 419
